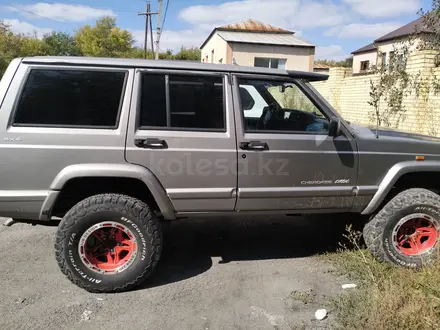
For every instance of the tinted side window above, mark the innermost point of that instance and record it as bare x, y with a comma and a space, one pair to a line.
70, 98
153, 102
182, 102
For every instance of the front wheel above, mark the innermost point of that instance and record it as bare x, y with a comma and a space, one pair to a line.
406, 231
108, 243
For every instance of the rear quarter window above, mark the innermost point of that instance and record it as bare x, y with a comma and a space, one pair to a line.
182, 102
70, 98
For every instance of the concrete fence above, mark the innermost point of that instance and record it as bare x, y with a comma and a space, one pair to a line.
350, 95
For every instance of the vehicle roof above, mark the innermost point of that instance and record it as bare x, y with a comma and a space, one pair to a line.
164, 64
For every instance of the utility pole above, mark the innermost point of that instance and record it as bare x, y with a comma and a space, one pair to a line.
159, 28
146, 33
148, 21
151, 35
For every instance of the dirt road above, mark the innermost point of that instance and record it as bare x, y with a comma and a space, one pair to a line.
252, 273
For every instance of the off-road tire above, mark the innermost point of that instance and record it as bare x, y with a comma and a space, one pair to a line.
122, 209
378, 232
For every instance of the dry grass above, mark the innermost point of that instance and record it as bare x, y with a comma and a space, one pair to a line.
306, 297
387, 297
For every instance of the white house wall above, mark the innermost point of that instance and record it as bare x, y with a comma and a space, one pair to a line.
297, 58
384, 47
358, 58
219, 46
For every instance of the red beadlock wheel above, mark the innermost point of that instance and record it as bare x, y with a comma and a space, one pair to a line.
415, 234
108, 243
107, 247
406, 231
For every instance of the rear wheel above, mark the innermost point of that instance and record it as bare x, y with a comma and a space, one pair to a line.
108, 243
406, 231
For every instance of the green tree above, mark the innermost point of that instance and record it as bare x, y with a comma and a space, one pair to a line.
395, 83
10, 46
104, 39
31, 46
390, 85
347, 63
431, 23
168, 55
136, 53
188, 54
60, 44
3, 27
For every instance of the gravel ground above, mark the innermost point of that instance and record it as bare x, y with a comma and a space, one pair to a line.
217, 273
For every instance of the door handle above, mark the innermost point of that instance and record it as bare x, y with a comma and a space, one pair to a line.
151, 143
254, 145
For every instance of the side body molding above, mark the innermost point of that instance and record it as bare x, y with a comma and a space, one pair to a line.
117, 170
394, 174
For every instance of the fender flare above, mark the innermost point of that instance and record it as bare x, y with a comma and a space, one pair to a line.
116, 170
394, 175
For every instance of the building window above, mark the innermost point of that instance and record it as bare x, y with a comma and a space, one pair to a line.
212, 56
71, 98
273, 63
182, 102
401, 62
396, 62
392, 61
365, 65
220, 61
384, 60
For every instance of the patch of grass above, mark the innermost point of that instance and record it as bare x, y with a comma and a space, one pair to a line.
387, 297
306, 297
301, 326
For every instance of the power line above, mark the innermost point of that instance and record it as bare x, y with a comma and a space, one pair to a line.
29, 12
94, 7
165, 15
114, 9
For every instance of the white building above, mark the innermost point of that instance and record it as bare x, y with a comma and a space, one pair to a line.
253, 43
382, 49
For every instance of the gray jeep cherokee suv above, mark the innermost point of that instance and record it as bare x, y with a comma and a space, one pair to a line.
114, 147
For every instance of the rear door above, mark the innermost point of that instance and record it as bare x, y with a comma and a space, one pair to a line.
181, 128
288, 161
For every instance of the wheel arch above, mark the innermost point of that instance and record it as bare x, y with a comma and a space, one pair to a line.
107, 171
396, 176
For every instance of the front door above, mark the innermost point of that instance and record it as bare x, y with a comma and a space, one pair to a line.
182, 129
287, 160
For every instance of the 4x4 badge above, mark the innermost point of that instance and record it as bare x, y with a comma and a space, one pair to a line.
12, 139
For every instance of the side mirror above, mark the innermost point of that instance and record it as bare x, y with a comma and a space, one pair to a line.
334, 127
283, 88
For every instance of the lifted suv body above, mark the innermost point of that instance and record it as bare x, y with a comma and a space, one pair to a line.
242, 161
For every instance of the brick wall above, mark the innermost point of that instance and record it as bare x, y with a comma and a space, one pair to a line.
350, 94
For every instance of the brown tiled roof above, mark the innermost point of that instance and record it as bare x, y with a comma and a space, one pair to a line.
415, 26
366, 48
252, 25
